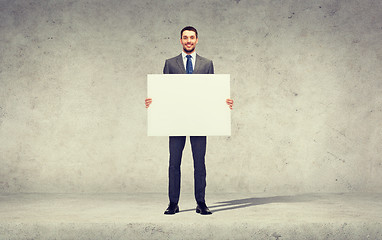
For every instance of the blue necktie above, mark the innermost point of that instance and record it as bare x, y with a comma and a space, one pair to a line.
189, 69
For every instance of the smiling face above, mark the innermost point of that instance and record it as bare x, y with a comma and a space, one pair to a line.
189, 41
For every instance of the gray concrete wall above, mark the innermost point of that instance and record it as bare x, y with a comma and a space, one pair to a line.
306, 77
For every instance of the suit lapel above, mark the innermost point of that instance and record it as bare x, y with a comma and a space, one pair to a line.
179, 60
197, 64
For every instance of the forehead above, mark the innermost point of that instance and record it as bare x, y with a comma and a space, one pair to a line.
188, 33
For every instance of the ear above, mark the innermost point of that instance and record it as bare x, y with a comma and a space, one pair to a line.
197, 39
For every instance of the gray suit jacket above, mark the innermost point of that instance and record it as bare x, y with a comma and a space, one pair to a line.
175, 66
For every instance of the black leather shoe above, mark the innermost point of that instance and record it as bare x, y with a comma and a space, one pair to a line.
172, 208
202, 209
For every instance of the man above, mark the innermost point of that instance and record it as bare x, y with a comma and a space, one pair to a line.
188, 62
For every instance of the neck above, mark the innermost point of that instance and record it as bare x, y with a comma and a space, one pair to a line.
188, 53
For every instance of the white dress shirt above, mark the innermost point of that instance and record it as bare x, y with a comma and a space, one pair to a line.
193, 59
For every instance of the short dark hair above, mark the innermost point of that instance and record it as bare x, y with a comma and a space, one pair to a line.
189, 28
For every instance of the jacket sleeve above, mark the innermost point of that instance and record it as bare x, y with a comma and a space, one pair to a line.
166, 70
211, 68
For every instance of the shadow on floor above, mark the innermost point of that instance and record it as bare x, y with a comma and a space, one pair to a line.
249, 202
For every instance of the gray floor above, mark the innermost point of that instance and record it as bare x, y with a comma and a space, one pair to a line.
235, 216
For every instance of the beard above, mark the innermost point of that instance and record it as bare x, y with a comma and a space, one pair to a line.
189, 50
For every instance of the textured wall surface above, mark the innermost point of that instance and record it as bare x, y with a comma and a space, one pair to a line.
306, 77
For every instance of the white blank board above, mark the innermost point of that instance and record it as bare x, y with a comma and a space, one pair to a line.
188, 105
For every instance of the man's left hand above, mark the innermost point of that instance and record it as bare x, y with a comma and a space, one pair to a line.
229, 102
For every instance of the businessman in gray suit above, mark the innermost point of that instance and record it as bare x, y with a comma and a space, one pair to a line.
188, 62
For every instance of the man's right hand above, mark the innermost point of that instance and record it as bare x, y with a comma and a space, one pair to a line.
148, 101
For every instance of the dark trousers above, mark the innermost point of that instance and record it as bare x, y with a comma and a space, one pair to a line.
198, 145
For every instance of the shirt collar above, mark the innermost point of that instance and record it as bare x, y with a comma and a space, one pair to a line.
193, 55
